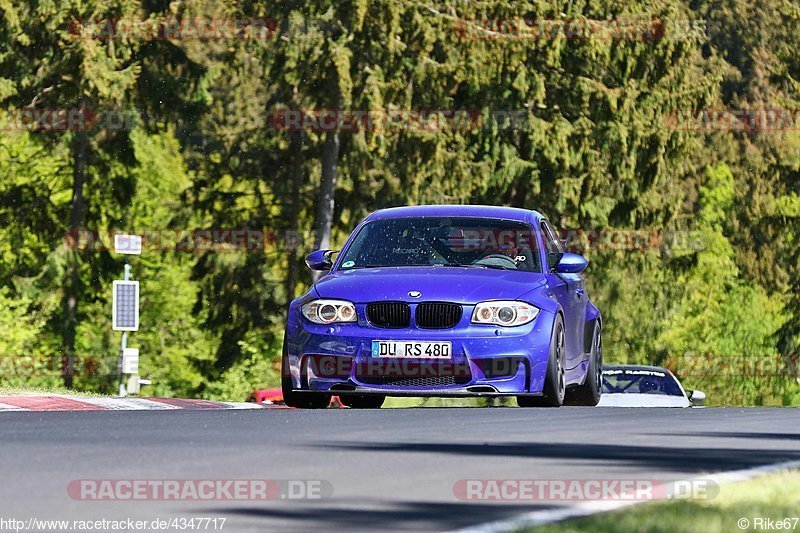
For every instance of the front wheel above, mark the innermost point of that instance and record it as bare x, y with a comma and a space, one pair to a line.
588, 394
299, 400
362, 401
555, 383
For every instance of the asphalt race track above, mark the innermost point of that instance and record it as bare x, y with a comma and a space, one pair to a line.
392, 469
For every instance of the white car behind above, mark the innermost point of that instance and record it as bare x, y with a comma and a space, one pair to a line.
645, 386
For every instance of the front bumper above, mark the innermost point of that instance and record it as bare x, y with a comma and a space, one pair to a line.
486, 360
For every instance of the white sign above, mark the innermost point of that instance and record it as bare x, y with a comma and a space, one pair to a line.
128, 244
125, 306
130, 361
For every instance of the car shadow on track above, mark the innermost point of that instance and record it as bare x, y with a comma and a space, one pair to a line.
425, 516
738, 435
692, 459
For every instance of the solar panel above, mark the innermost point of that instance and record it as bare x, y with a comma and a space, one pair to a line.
125, 306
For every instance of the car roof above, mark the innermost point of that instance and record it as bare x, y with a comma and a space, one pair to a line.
637, 367
487, 211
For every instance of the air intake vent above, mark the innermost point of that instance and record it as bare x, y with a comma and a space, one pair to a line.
389, 314
438, 315
419, 382
409, 373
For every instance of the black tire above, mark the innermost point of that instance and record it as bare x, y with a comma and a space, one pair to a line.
589, 393
555, 379
300, 400
362, 401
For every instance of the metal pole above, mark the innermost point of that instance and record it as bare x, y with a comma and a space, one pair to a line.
123, 345
124, 342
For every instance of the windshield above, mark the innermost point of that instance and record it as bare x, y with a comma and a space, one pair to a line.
618, 381
444, 241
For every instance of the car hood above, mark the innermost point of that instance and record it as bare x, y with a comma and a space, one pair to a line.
642, 400
452, 284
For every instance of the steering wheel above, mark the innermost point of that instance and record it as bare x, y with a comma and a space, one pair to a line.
492, 257
647, 386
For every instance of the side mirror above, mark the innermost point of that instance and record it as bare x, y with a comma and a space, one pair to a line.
320, 260
697, 397
572, 263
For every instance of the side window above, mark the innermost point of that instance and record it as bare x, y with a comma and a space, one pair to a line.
554, 247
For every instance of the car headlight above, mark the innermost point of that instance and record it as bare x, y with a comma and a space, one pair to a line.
329, 311
510, 313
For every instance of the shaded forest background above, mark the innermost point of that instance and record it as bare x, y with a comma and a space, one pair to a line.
599, 150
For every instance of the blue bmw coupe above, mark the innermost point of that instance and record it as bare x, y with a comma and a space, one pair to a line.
445, 301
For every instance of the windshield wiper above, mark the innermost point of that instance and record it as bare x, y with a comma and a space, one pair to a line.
474, 265
465, 265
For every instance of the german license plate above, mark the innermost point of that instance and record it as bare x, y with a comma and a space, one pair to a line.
416, 349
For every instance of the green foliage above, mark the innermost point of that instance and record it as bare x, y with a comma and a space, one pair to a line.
764, 496
592, 149
21, 327
258, 368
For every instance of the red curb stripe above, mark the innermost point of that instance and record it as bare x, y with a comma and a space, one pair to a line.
49, 403
188, 404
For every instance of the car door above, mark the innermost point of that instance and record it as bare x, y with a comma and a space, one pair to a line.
568, 290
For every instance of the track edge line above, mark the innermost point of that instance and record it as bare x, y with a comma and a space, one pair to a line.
549, 516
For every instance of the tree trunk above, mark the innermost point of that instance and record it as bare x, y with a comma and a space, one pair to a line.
326, 203
72, 285
293, 214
